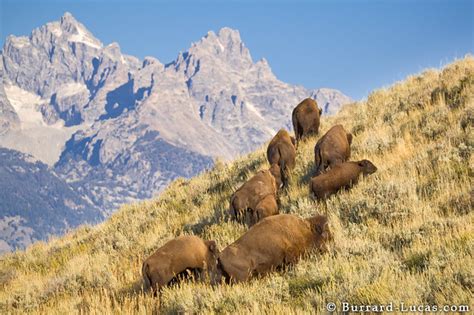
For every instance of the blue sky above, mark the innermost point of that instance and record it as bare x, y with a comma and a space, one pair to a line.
355, 46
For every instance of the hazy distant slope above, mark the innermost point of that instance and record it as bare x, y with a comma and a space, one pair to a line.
35, 203
403, 234
148, 163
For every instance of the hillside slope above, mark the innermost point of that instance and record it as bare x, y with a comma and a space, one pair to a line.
405, 234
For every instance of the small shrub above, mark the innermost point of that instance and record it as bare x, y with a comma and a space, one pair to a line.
434, 124
459, 203
418, 261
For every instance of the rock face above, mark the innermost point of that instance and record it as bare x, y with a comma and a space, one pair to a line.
9, 119
118, 129
36, 203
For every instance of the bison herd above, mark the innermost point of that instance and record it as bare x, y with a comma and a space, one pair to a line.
273, 240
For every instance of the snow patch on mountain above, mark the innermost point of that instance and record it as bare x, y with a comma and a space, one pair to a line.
34, 140
26, 105
35, 137
82, 37
253, 109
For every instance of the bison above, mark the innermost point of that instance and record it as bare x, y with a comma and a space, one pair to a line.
343, 175
255, 199
305, 119
272, 243
183, 254
282, 151
333, 148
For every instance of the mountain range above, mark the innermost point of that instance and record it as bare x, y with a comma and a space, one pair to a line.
109, 128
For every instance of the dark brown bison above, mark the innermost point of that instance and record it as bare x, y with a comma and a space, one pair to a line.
282, 151
305, 118
343, 175
333, 148
253, 200
271, 243
177, 257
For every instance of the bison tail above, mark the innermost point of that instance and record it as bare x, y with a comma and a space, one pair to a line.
318, 159
295, 125
297, 129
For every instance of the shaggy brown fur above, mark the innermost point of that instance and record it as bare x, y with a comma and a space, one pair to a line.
343, 175
306, 116
271, 243
333, 148
248, 197
184, 253
266, 207
282, 151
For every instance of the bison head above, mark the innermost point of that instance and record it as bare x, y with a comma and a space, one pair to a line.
367, 167
322, 233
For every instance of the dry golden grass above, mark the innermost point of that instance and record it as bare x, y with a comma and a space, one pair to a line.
405, 234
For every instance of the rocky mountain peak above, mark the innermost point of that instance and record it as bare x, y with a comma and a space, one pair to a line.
69, 23
228, 35
113, 50
66, 30
226, 46
149, 61
263, 69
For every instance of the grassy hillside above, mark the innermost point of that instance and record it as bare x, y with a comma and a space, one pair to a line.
405, 233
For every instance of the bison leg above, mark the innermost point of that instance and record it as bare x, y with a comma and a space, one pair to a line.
251, 217
201, 275
238, 270
286, 178
242, 216
156, 291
